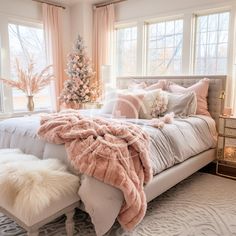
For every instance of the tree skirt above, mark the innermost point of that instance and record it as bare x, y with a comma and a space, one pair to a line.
201, 205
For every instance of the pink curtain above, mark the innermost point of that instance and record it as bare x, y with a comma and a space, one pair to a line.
52, 21
103, 28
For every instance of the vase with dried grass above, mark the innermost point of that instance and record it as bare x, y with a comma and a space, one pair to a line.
30, 82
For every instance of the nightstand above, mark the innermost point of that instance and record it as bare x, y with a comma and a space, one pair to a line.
226, 147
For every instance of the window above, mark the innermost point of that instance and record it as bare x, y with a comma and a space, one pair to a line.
1, 89
211, 51
1, 97
164, 47
25, 43
126, 51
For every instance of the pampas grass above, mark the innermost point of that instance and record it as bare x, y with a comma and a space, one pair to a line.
28, 81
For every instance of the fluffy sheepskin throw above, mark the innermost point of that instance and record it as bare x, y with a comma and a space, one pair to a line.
115, 153
29, 185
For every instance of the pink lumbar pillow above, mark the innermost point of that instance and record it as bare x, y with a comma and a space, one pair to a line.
127, 106
201, 90
161, 84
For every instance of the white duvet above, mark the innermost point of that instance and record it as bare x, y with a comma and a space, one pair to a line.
171, 145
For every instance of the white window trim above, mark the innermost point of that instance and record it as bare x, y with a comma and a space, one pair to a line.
231, 24
164, 19
123, 26
159, 20
189, 34
20, 114
188, 44
5, 64
7, 99
141, 48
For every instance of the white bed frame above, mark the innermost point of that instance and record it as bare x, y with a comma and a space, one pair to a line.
174, 175
170, 177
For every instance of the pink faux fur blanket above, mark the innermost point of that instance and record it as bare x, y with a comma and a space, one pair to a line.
115, 153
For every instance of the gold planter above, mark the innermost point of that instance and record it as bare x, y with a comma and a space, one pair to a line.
74, 105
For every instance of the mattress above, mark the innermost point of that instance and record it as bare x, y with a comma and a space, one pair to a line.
169, 146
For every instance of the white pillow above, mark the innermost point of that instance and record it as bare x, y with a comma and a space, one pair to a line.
110, 99
182, 104
154, 103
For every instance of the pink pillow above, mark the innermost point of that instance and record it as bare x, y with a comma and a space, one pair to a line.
201, 90
161, 84
127, 106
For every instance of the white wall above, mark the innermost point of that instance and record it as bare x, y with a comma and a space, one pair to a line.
21, 8
133, 9
81, 23
28, 10
82, 13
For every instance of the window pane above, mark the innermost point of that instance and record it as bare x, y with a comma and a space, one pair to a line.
1, 98
1, 88
211, 50
166, 57
27, 43
224, 21
126, 50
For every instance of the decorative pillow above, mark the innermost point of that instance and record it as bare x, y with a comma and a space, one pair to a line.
154, 103
137, 85
110, 99
184, 104
201, 90
127, 106
161, 84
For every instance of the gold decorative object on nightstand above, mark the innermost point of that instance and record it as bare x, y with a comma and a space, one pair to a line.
226, 147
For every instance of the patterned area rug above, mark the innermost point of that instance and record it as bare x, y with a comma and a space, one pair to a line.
202, 205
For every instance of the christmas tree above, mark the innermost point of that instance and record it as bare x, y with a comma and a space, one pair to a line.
80, 86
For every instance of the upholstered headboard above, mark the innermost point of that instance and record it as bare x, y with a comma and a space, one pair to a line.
217, 86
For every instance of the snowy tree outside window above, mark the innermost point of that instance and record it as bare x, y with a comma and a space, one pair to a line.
164, 47
126, 51
211, 51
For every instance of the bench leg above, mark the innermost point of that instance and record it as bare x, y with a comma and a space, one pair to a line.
34, 233
70, 223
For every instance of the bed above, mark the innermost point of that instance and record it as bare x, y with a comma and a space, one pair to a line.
101, 201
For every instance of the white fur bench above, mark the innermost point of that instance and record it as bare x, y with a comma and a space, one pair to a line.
63, 206
34, 192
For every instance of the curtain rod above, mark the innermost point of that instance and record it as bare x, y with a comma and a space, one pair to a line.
50, 3
103, 4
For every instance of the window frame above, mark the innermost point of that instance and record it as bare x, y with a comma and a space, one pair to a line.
189, 35
115, 57
6, 92
1, 85
194, 46
156, 21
